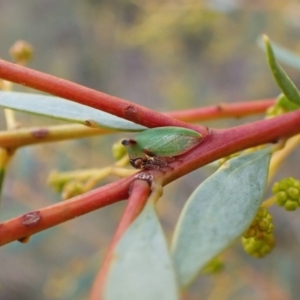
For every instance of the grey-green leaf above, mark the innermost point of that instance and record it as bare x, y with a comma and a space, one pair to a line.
66, 110
142, 267
218, 212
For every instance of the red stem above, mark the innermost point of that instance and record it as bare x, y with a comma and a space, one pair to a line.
89, 97
223, 142
136, 202
224, 110
218, 144
36, 221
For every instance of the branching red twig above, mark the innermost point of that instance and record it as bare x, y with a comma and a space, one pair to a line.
218, 144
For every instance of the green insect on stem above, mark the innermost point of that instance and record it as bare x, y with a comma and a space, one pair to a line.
157, 146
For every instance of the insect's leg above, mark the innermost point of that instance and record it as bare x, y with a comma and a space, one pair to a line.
159, 163
137, 163
148, 153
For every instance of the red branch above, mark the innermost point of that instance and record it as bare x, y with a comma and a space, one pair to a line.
136, 202
89, 97
223, 142
224, 110
218, 144
25, 225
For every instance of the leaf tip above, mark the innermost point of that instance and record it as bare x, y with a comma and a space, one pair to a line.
267, 44
266, 38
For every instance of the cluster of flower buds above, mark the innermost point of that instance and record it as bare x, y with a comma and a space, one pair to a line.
287, 193
259, 240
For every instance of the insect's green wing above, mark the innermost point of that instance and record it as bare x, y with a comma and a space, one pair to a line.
168, 141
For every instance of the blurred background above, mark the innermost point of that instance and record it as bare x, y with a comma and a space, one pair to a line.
166, 55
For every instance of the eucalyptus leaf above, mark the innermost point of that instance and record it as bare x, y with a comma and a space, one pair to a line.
142, 267
66, 110
283, 81
284, 55
218, 212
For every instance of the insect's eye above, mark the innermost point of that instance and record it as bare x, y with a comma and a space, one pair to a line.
128, 142
137, 163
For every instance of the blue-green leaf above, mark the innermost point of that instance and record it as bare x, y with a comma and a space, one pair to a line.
66, 110
142, 267
218, 212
